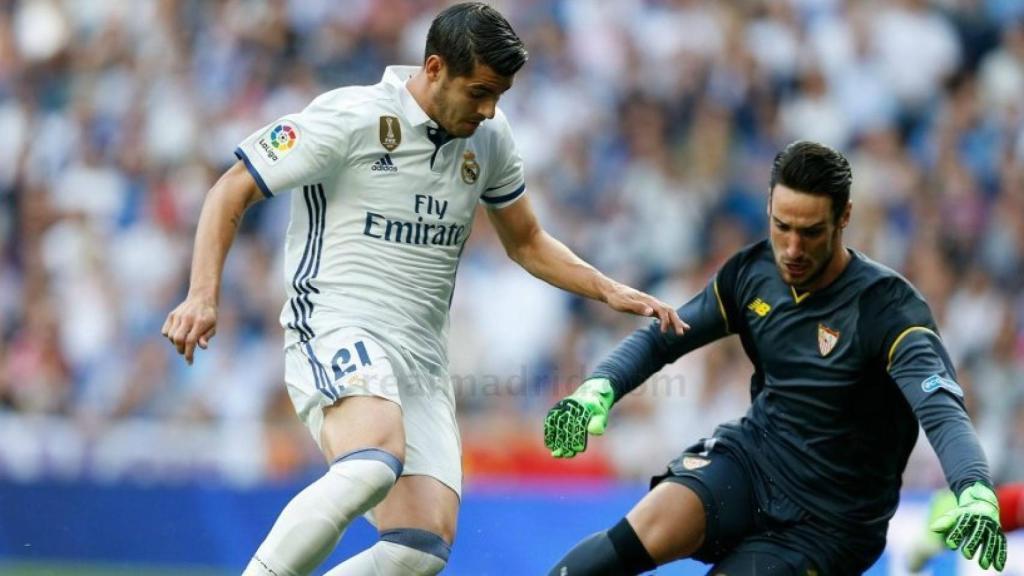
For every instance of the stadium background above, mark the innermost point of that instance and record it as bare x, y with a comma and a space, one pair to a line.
648, 128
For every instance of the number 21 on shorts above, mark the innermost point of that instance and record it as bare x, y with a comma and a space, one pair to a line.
343, 363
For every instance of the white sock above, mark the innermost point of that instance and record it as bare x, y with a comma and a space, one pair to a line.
402, 552
310, 526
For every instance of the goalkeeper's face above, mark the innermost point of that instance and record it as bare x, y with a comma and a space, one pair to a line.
805, 236
461, 103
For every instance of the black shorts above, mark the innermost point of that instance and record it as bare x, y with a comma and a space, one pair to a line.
746, 534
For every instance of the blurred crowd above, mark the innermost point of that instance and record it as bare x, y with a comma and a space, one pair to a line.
648, 128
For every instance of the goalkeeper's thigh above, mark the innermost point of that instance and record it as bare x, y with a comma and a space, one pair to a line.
755, 563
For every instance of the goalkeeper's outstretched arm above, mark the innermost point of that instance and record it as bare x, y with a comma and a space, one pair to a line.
648, 350
898, 326
640, 355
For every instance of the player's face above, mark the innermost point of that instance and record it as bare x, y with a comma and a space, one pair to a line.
461, 103
805, 237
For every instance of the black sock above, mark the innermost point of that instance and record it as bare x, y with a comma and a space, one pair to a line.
616, 552
631, 551
593, 556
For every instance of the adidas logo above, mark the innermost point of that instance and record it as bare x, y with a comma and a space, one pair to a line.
384, 165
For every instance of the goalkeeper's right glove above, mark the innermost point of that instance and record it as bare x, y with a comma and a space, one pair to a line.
582, 412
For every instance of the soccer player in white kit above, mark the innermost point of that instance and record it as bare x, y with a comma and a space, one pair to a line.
385, 182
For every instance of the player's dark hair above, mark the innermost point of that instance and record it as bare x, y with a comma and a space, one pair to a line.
472, 32
817, 169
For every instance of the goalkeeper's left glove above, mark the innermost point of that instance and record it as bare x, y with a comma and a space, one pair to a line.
582, 412
973, 524
930, 544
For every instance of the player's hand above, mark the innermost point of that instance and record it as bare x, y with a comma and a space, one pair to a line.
192, 323
974, 524
582, 412
622, 298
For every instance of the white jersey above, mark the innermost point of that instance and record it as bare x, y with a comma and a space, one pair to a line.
382, 209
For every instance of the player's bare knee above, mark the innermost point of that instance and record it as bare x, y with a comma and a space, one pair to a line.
418, 552
422, 503
437, 519
361, 422
442, 525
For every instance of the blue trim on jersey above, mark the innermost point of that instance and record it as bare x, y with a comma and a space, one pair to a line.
316, 221
374, 454
303, 336
309, 265
439, 137
298, 309
252, 170
319, 211
506, 197
320, 240
417, 539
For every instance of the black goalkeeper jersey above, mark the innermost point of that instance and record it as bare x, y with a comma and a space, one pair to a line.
842, 377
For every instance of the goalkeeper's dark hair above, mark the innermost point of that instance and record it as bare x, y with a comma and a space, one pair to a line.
817, 169
473, 32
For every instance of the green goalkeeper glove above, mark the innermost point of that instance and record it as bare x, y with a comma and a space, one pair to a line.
582, 412
973, 524
930, 544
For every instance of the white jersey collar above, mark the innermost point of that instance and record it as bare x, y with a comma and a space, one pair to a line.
399, 76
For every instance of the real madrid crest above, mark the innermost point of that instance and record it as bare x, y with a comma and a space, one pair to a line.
390, 132
827, 339
470, 168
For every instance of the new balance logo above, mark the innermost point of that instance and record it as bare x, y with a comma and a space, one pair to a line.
759, 307
384, 165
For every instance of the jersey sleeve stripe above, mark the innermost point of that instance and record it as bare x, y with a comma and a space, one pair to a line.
892, 349
499, 186
255, 175
721, 307
506, 197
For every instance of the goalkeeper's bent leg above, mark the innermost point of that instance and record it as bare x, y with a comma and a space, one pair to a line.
311, 524
400, 552
613, 553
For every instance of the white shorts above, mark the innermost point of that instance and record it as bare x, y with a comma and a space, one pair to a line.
352, 362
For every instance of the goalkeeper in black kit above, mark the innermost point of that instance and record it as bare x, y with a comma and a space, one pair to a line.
847, 362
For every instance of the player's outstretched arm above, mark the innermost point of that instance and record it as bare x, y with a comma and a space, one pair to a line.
548, 259
194, 321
